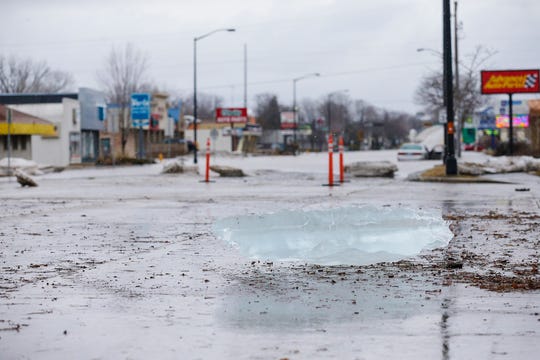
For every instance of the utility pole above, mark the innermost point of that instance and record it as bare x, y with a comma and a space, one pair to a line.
245, 76
459, 110
8, 116
451, 162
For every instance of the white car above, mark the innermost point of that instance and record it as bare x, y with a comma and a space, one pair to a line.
411, 151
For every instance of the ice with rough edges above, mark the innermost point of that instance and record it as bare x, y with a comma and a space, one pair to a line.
339, 236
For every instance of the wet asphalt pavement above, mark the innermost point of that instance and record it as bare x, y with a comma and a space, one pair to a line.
123, 263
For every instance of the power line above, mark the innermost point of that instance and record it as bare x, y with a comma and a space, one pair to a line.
323, 75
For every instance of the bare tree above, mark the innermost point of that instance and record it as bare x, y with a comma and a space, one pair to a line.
267, 111
467, 96
381, 128
430, 92
310, 111
206, 105
124, 73
335, 108
19, 75
466, 99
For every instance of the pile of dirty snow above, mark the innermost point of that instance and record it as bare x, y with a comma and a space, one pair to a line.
498, 165
177, 166
29, 167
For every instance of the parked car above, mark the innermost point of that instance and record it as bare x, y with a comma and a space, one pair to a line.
436, 153
412, 151
471, 147
189, 143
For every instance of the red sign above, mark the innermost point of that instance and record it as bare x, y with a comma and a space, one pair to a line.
287, 120
510, 81
231, 115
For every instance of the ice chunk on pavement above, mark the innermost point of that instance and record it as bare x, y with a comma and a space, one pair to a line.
352, 235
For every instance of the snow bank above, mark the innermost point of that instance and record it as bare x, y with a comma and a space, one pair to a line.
17, 163
503, 164
28, 166
355, 235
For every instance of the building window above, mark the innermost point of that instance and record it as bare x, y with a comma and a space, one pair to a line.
18, 142
75, 147
101, 113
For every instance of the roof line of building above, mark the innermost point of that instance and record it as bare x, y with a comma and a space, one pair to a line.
39, 98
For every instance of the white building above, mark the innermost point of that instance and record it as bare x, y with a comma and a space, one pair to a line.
77, 117
56, 150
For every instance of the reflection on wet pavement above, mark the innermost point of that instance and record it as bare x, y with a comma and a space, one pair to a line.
295, 297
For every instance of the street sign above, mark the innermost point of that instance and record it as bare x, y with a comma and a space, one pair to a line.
140, 109
442, 117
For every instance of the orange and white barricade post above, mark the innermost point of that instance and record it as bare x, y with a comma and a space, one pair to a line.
330, 161
207, 169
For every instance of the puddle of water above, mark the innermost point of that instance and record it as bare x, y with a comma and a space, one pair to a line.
352, 235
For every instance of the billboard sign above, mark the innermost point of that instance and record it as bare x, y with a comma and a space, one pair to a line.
140, 109
510, 81
520, 121
287, 120
231, 115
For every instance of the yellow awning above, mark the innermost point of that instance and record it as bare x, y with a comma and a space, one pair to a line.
25, 124
28, 129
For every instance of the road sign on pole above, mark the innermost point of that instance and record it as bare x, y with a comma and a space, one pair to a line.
140, 116
140, 109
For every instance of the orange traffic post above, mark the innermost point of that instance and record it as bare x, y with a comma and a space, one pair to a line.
341, 170
330, 160
207, 173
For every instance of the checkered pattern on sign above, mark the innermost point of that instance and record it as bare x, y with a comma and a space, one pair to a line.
531, 80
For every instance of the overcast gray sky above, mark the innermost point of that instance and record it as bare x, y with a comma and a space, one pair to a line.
367, 47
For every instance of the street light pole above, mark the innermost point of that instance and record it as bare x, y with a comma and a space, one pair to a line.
195, 39
294, 100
